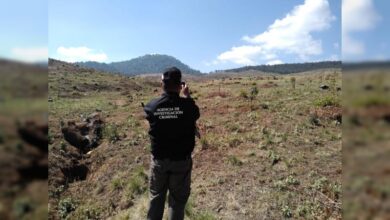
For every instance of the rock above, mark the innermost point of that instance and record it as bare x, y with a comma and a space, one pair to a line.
324, 87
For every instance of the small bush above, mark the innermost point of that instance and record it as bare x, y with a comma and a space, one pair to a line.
327, 101
290, 180
65, 207
111, 133
234, 142
137, 183
22, 206
234, 161
204, 143
320, 184
87, 212
254, 92
286, 211
243, 94
293, 81
117, 184
280, 185
274, 157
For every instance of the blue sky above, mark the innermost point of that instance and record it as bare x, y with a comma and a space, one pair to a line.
365, 34
24, 30
207, 35
196, 32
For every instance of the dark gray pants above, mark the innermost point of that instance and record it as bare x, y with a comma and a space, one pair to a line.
172, 176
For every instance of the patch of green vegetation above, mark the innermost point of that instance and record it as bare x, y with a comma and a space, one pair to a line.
87, 212
275, 158
65, 207
137, 183
290, 180
320, 184
117, 184
234, 142
243, 94
286, 210
192, 214
253, 93
111, 132
233, 160
327, 101
204, 143
22, 206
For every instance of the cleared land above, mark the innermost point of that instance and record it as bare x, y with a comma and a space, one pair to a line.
267, 153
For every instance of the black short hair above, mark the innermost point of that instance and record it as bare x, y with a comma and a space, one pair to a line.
172, 76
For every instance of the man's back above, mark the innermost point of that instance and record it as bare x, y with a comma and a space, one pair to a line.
172, 126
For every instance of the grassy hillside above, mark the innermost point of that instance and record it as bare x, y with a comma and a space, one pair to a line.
273, 154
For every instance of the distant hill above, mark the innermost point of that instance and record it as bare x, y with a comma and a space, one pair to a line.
366, 65
145, 64
288, 68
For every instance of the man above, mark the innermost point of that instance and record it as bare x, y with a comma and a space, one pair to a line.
172, 121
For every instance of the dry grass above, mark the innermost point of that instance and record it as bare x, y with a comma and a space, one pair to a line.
248, 148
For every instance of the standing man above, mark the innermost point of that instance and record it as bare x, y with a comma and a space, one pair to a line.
172, 121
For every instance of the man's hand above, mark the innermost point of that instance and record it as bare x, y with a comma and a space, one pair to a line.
186, 91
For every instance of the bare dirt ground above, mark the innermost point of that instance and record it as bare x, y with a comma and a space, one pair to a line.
270, 154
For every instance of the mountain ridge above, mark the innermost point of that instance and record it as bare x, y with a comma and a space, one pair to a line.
287, 68
150, 63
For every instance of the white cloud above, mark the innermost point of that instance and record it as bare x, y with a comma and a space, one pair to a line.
289, 35
74, 54
30, 54
274, 62
358, 15
241, 55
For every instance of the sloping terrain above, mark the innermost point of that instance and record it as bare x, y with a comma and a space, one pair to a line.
270, 146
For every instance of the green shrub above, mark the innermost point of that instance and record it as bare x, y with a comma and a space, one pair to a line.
87, 212
65, 207
243, 94
286, 211
274, 157
117, 184
204, 143
111, 133
327, 101
22, 206
254, 92
290, 180
137, 183
234, 161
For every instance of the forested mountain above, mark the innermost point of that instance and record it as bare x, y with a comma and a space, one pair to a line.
145, 64
288, 68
